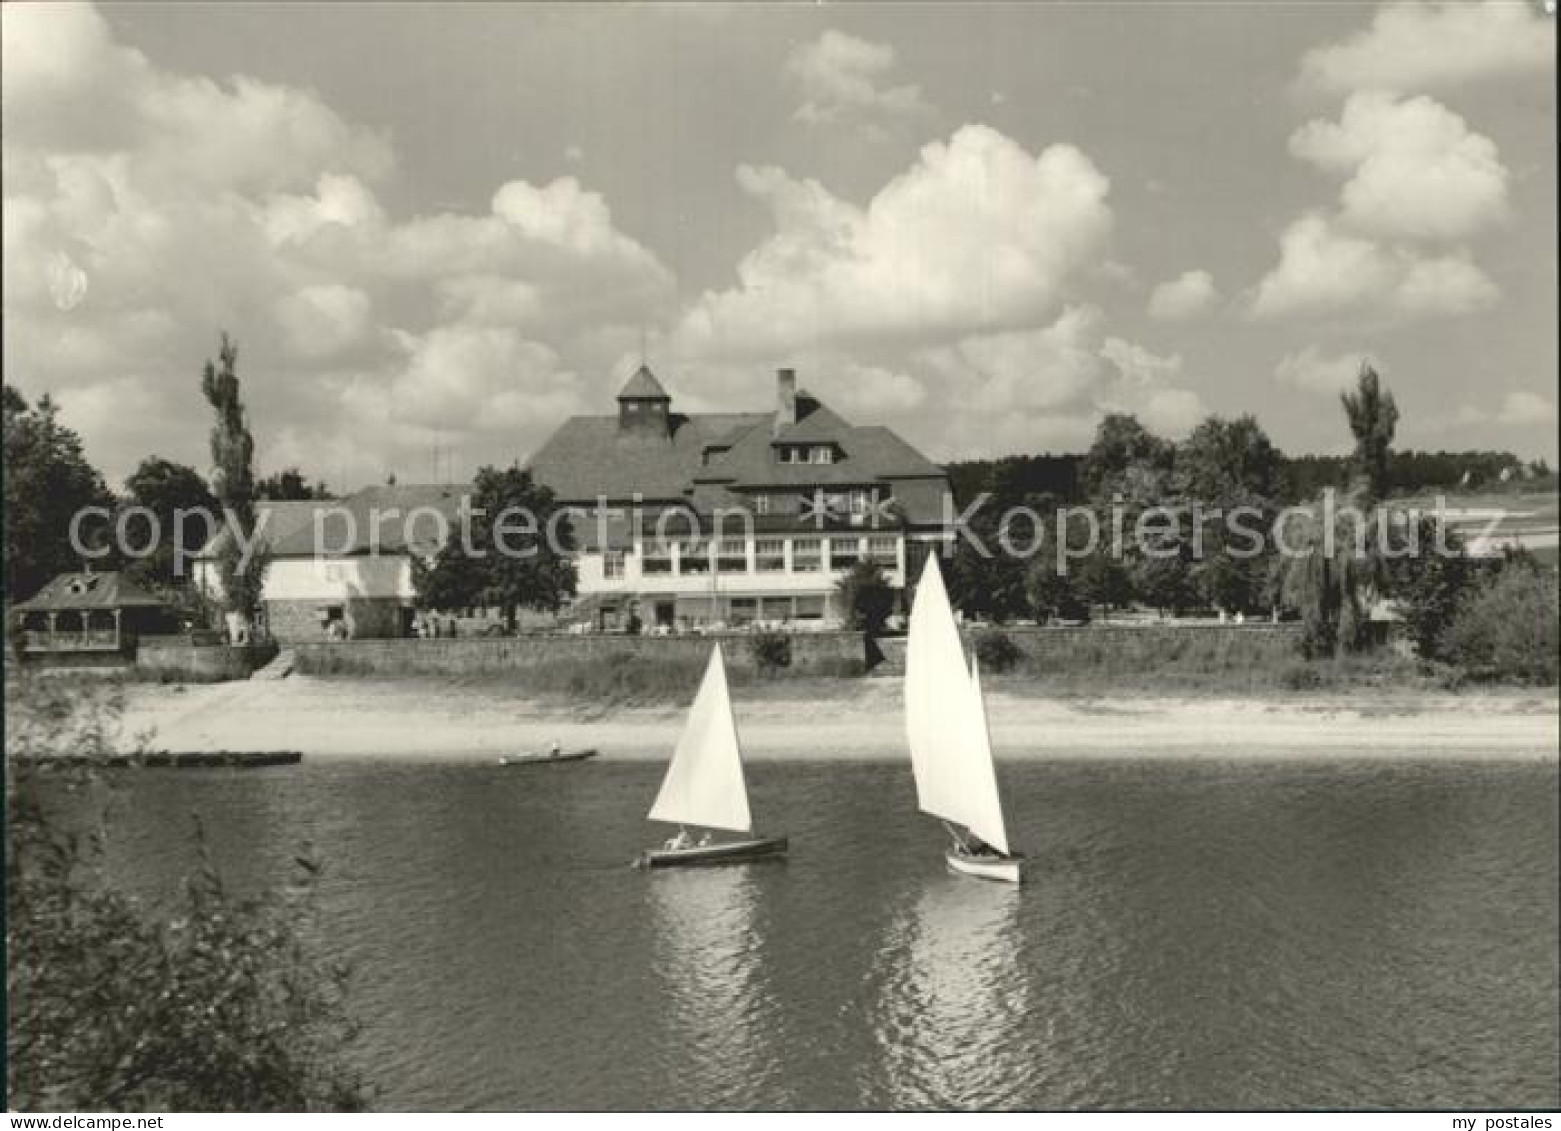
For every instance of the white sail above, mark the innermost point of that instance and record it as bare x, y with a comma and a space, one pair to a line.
704, 784
945, 719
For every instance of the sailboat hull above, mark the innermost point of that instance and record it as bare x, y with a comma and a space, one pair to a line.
1004, 869
727, 852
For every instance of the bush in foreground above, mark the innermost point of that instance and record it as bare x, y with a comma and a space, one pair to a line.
1507, 628
996, 651
771, 651
210, 1004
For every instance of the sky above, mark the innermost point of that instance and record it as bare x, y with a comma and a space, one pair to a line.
444, 229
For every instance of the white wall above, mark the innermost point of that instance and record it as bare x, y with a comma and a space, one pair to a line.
326, 579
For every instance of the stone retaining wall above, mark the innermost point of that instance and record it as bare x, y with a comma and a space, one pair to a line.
812, 653
175, 658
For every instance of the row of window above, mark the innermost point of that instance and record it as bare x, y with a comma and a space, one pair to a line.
856, 501
806, 453
730, 555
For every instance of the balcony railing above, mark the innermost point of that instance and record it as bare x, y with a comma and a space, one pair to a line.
92, 640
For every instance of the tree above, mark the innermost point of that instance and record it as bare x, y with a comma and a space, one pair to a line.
1427, 585
1506, 628
241, 576
1373, 417
1104, 580
1327, 577
992, 584
1228, 462
1127, 459
510, 561
290, 484
1230, 583
165, 489
208, 1001
1052, 593
48, 481
1164, 583
866, 597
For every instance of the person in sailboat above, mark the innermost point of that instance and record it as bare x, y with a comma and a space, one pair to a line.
975, 846
968, 843
554, 749
682, 840
704, 841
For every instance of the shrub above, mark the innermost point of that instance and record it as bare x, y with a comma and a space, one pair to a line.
1427, 584
996, 652
866, 597
1506, 627
210, 1004
1301, 677
771, 651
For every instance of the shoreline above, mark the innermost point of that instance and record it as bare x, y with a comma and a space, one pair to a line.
344, 718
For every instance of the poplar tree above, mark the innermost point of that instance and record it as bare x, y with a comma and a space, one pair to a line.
233, 483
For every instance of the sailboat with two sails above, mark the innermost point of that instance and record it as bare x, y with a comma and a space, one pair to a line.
705, 788
951, 744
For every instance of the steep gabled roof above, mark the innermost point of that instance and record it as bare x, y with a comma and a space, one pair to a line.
280, 516
347, 524
404, 513
820, 425
76, 592
866, 455
590, 456
643, 386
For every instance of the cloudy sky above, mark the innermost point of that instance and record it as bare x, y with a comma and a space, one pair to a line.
984, 226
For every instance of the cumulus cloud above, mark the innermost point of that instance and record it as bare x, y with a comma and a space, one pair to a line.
1430, 46
1071, 369
146, 209
459, 377
1186, 296
1519, 409
1417, 184
1323, 270
870, 392
1524, 407
1415, 169
976, 235
1316, 372
841, 76
323, 320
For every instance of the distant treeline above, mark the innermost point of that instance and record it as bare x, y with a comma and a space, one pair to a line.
1300, 477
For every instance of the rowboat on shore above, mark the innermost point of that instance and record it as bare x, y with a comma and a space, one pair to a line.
704, 786
544, 757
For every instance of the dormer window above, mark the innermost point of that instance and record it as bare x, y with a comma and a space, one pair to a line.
806, 453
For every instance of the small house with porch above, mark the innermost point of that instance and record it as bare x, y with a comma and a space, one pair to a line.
79, 615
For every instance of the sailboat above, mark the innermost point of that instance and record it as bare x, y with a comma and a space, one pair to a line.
951, 746
704, 785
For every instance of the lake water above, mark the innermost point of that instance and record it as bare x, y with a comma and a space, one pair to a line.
1197, 934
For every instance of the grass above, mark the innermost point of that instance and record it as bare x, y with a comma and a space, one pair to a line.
1200, 673
620, 680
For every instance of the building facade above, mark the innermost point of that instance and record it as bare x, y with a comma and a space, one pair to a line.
687, 520
344, 566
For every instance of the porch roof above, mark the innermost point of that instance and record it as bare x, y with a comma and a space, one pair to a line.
78, 592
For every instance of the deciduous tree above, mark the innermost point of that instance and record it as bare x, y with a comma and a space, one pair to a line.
513, 554
47, 482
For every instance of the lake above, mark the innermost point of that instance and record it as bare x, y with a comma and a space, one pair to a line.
1204, 934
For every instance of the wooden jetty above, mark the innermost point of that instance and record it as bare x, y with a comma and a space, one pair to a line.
176, 759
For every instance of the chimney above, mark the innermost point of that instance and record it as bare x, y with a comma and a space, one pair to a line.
786, 392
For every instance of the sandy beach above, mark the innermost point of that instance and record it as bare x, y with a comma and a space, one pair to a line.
343, 717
